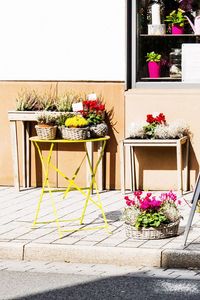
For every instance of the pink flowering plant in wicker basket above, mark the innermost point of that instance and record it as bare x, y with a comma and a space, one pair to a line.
144, 210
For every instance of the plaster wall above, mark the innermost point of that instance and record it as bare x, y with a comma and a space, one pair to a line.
113, 94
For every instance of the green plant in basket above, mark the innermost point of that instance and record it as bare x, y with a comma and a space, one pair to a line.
62, 117
94, 118
150, 219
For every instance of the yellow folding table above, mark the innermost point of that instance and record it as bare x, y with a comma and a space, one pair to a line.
87, 192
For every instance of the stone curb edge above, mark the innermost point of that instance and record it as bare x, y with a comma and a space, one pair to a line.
175, 258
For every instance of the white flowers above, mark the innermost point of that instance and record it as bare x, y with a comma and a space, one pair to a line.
136, 130
177, 129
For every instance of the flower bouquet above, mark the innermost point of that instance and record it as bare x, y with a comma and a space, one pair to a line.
156, 127
151, 217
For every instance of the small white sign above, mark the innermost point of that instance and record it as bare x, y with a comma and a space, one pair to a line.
191, 63
91, 97
77, 106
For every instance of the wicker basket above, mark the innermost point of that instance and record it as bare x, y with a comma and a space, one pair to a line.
46, 133
74, 133
98, 130
161, 232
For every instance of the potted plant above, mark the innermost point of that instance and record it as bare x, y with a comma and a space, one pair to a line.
76, 128
46, 128
177, 20
151, 217
28, 100
153, 60
60, 122
65, 101
94, 112
152, 122
156, 127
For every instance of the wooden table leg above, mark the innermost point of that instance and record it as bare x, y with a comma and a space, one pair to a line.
133, 173
122, 167
132, 163
186, 165
24, 143
179, 166
15, 156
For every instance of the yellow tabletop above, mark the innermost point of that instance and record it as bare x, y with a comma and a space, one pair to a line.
37, 139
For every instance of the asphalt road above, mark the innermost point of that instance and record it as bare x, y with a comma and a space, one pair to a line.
49, 286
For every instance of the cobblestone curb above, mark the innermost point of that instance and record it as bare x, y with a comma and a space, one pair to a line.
135, 257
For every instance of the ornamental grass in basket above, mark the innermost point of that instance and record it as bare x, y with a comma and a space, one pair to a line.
151, 217
46, 127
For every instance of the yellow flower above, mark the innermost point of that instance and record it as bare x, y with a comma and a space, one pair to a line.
76, 121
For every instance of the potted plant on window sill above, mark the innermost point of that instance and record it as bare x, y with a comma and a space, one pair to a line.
153, 60
177, 21
151, 217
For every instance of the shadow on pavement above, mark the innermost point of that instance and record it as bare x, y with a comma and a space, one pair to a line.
126, 287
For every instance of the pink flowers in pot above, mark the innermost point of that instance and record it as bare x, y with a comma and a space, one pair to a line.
146, 210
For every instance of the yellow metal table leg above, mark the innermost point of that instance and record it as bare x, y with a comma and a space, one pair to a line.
94, 184
46, 183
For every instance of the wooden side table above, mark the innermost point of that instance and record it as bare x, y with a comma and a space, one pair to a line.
133, 143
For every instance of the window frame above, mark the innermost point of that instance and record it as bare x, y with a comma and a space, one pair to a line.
131, 56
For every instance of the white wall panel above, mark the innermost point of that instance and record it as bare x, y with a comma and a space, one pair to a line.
62, 40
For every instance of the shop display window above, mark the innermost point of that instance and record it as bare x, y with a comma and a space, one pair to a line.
162, 27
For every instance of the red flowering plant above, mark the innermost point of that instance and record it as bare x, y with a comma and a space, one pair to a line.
144, 210
93, 111
153, 122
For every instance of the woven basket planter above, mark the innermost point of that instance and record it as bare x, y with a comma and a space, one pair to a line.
46, 133
161, 232
75, 133
98, 130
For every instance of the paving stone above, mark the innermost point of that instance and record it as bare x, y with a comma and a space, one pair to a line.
18, 213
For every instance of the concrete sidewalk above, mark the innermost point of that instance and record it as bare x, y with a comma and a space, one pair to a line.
19, 241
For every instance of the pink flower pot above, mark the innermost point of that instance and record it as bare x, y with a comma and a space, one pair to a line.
154, 69
176, 29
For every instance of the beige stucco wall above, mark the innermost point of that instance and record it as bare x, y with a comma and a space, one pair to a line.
113, 93
158, 166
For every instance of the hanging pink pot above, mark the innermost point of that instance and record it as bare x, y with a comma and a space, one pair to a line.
176, 29
154, 69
